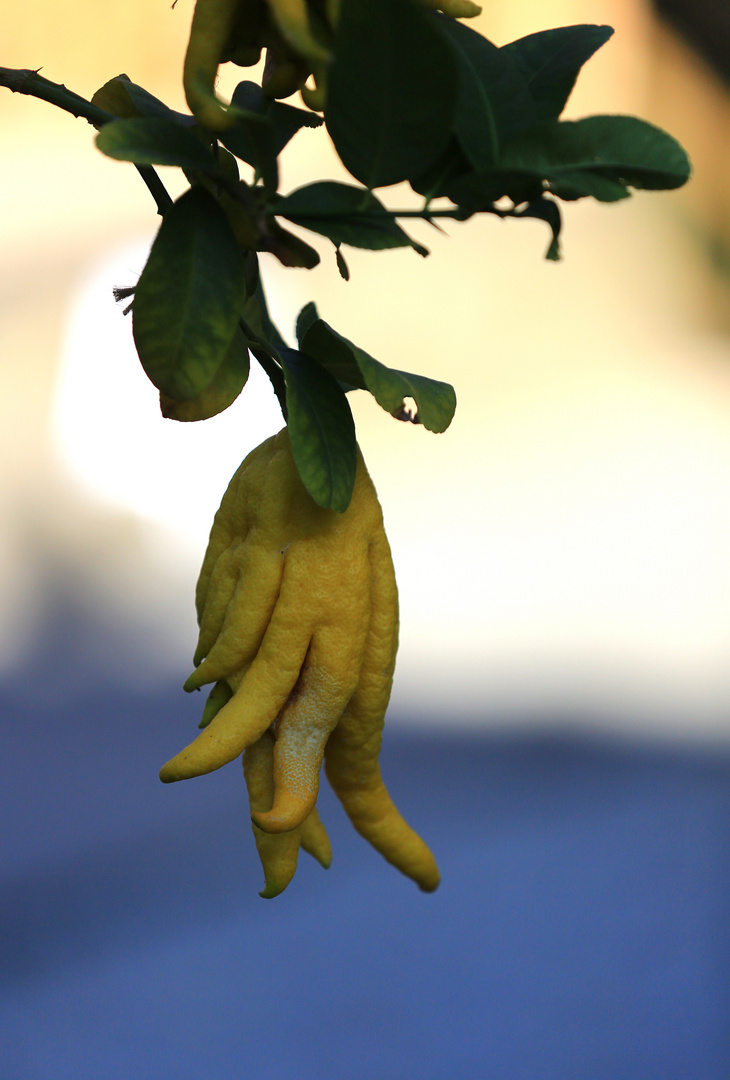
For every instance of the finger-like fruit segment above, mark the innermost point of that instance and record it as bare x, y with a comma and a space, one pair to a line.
327, 682
278, 854
219, 696
373, 813
351, 755
255, 704
315, 840
213, 23
231, 636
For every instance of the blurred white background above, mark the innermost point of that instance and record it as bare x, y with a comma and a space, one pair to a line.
562, 550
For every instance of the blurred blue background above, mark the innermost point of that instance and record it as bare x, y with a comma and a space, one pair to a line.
559, 730
581, 928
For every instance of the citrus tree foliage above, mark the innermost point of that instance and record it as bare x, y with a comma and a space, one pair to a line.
412, 95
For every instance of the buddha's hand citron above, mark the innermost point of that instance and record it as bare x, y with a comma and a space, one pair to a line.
298, 614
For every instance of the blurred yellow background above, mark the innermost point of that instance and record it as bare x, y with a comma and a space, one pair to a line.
562, 550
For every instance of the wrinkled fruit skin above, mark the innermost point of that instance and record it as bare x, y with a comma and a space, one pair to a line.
298, 615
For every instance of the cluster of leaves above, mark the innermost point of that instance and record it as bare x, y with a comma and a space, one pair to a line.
412, 96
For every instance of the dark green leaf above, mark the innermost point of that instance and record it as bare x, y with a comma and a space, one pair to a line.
601, 156
255, 314
334, 352
305, 318
228, 382
263, 128
151, 140
477, 191
123, 98
352, 366
581, 183
321, 430
435, 181
285, 120
148, 105
113, 97
391, 91
252, 140
346, 215
188, 298
549, 62
494, 103
623, 149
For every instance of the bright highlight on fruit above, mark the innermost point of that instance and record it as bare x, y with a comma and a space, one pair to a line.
298, 614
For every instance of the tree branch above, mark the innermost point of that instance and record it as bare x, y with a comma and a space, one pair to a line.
27, 81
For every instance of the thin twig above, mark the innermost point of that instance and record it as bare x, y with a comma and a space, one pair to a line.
156, 188
270, 361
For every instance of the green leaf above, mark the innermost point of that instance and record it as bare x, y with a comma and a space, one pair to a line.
549, 63
151, 140
352, 366
601, 156
263, 128
113, 97
123, 98
149, 105
346, 215
285, 120
623, 149
321, 430
435, 181
478, 191
579, 184
494, 102
391, 92
255, 314
228, 382
333, 351
252, 140
305, 318
188, 298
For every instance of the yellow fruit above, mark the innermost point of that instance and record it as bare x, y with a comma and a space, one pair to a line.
298, 614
